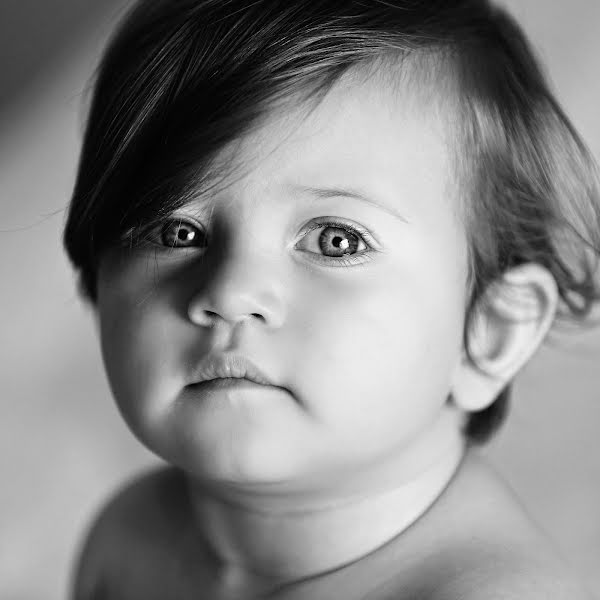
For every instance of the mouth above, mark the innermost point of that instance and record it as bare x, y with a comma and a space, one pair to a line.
228, 369
225, 382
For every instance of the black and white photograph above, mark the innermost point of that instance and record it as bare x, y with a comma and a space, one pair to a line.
201, 400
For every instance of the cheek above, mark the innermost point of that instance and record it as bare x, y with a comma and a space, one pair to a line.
138, 339
381, 355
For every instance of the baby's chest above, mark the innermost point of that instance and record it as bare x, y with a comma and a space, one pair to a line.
150, 559
154, 569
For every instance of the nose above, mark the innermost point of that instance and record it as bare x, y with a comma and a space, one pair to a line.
238, 288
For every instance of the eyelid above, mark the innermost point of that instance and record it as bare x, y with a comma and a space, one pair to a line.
343, 223
153, 232
183, 218
351, 260
158, 222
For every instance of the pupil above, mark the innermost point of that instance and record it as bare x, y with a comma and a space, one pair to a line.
341, 242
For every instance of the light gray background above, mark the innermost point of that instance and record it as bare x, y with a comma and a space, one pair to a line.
63, 447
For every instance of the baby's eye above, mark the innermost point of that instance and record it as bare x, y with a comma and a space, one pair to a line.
180, 233
336, 240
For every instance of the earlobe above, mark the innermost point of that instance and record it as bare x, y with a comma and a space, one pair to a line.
511, 321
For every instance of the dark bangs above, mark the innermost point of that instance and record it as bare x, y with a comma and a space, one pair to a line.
182, 79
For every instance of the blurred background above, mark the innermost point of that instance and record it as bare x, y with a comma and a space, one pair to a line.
63, 447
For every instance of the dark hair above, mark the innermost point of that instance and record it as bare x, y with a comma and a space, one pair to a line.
183, 78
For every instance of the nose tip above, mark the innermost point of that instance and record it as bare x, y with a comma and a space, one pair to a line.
209, 310
242, 284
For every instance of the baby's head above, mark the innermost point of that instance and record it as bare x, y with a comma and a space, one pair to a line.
237, 153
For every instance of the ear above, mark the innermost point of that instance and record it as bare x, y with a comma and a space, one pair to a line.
510, 323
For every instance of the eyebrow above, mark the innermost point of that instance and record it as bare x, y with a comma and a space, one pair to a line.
336, 192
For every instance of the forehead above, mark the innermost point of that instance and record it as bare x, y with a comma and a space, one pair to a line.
383, 138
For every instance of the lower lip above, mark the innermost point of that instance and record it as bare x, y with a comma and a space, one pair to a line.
233, 393
229, 388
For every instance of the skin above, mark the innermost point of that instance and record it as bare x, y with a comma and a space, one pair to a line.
283, 485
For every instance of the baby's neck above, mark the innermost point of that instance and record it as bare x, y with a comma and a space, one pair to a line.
281, 544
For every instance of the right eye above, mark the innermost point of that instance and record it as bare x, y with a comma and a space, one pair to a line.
180, 233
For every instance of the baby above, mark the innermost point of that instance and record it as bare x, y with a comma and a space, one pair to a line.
320, 239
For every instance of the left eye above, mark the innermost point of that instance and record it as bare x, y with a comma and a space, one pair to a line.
336, 240
178, 233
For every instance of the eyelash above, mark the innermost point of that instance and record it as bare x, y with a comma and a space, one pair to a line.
357, 230
350, 260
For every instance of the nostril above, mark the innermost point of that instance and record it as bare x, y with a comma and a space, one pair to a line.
210, 316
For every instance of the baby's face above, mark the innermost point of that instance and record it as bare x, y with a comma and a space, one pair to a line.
360, 322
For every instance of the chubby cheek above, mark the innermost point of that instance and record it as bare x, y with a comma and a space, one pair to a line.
378, 358
138, 340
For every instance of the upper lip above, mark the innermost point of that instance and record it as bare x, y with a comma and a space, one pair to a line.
229, 365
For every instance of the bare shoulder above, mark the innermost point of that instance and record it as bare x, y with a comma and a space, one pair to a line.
142, 520
494, 572
524, 583
503, 553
